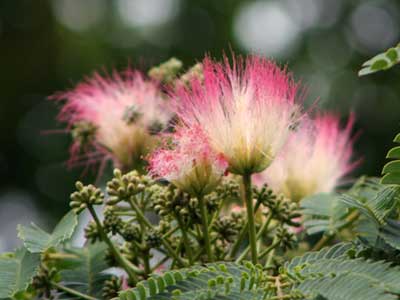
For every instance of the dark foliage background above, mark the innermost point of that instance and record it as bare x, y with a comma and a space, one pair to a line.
46, 46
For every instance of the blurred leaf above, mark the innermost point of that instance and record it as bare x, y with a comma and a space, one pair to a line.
375, 227
37, 240
323, 212
381, 61
85, 272
16, 273
377, 206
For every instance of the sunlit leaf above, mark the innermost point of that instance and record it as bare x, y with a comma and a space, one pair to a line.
381, 61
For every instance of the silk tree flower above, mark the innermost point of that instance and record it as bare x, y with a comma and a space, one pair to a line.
314, 160
245, 109
188, 161
116, 115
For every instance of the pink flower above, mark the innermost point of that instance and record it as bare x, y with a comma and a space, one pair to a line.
188, 162
123, 110
245, 110
317, 155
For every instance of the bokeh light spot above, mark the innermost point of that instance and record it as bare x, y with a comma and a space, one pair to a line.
266, 28
142, 13
79, 15
373, 28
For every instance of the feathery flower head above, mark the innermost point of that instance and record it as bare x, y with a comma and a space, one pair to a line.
116, 115
314, 159
189, 162
246, 110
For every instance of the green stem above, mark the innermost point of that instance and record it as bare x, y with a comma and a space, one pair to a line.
206, 235
146, 263
185, 239
269, 249
250, 217
125, 213
123, 262
236, 246
179, 249
216, 215
72, 291
171, 232
259, 234
60, 256
269, 258
165, 243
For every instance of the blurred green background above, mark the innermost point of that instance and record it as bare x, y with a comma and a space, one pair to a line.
47, 46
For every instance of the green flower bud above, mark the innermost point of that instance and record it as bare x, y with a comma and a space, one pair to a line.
111, 288
91, 233
85, 196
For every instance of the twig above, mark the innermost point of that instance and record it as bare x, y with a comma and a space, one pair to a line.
165, 243
123, 262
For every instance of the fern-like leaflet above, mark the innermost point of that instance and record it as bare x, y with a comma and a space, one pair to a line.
391, 170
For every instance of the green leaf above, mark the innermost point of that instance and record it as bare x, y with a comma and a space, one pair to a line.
16, 273
379, 64
390, 233
381, 61
392, 169
323, 213
392, 54
85, 271
37, 240
391, 178
373, 199
345, 287
206, 282
394, 152
333, 274
336, 251
368, 232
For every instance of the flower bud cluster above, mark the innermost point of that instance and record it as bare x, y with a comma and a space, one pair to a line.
111, 288
131, 232
167, 71
85, 196
227, 227
195, 72
112, 223
170, 201
281, 208
41, 282
229, 189
122, 187
153, 239
92, 233
286, 239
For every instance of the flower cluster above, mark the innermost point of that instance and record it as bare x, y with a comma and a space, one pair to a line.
244, 117
114, 117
